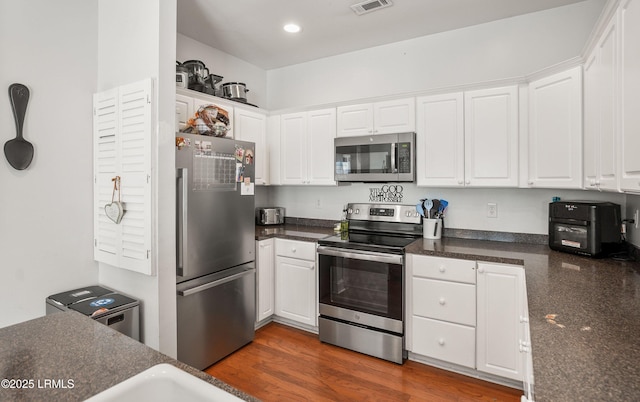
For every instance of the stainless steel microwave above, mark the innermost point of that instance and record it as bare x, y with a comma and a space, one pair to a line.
376, 158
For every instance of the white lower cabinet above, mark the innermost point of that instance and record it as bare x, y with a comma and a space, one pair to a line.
445, 341
501, 320
295, 281
441, 314
468, 313
265, 260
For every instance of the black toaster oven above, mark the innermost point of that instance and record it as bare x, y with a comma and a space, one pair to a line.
590, 228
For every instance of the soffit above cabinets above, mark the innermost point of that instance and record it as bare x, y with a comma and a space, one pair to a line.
252, 29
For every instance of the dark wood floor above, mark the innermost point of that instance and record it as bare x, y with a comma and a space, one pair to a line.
287, 364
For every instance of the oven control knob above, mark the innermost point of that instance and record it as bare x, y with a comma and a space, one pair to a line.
357, 211
349, 210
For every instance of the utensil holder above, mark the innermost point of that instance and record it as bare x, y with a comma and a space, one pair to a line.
432, 228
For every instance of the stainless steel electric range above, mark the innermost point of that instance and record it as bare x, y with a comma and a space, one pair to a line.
361, 280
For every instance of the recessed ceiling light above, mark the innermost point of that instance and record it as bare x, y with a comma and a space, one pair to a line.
292, 28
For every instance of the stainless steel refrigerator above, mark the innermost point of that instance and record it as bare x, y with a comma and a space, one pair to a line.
215, 248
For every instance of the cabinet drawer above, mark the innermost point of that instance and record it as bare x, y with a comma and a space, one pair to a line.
453, 343
447, 269
296, 249
448, 301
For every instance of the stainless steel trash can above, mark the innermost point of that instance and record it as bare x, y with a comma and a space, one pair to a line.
110, 308
61, 301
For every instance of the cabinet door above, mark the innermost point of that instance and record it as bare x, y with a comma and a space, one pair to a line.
591, 120
293, 148
296, 290
274, 175
265, 275
601, 104
395, 116
197, 102
499, 328
491, 137
184, 111
321, 131
252, 126
440, 140
355, 120
630, 87
555, 130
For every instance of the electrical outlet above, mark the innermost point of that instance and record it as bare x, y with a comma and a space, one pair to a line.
318, 204
492, 210
635, 219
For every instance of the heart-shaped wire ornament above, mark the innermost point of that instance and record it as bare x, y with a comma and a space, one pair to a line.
115, 210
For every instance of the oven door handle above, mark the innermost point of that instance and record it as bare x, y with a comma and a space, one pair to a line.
361, 255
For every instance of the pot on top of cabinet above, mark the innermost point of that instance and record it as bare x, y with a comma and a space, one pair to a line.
235, 91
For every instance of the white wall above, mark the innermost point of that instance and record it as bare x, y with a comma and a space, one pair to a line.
506, 48
519, 210
46, 223
231, 68
137, 41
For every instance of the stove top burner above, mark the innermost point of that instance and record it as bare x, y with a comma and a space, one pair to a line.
368, 242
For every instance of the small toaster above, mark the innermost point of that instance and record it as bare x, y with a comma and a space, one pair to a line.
270, 216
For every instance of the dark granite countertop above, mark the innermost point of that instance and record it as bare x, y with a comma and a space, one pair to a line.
293, 232
592, 352
80, 353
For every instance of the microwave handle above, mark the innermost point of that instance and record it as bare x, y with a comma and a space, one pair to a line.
394, 158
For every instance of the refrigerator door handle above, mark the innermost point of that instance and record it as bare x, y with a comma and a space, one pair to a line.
182, 191
201, 288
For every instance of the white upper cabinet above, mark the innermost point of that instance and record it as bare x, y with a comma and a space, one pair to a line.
491, 137
468, 139
601, 76
306, 146
630, 89
184, 111
394, 116
273, 150
321, 131
252, 126
555, 130
440, 140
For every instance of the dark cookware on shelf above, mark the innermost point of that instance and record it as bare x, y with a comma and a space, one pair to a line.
198, 72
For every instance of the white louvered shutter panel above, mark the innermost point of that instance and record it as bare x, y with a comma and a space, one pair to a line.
134, 103
105, 162
122, 147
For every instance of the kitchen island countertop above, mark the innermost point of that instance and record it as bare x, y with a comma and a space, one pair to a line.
70, 357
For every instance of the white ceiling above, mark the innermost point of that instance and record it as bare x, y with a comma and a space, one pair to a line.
252, 29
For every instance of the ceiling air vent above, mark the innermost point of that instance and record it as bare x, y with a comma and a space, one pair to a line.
370, 5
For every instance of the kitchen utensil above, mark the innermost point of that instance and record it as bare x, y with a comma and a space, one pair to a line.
436, 207
420, 209
427, 204
19, 152
443, 206
235, 91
